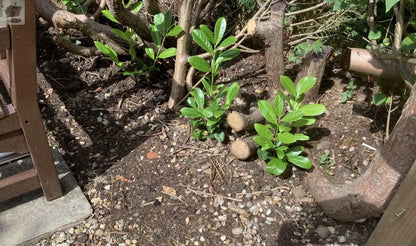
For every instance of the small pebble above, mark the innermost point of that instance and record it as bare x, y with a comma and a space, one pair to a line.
342, 239
237, 231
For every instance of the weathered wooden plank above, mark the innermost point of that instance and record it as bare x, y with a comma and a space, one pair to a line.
23, 95
4, 37
9, 124
5, 73
13, 142
398, 224
18, 184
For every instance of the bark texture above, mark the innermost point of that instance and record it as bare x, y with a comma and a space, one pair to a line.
238, 121
182, 53
271, 33
243, 148
369, 194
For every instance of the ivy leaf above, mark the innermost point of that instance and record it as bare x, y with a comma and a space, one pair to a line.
267, 111
374, 35
276, 166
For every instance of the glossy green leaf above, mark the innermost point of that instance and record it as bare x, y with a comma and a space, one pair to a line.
292, 116
232, 92
300, 161
284, 128
301, 137
263, 131
264, 154
278, 105
156, 37
191, 102
379, 99
305, 84
267, 111
199, 63
263, 142
390, 4
305, 121
280, 153
158, 19
207, 32
137, 6
175, 31
219, 136
312, 109
168, 20
150, 52
219, 30
207, 86
199, 97
227, 55
110, 16
409, 43
168, 53
287, 83
296, 150
207, 112
228, 41
276, 166
190, 112
286, 137
120, 33
202, 40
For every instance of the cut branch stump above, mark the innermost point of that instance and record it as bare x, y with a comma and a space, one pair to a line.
243, 148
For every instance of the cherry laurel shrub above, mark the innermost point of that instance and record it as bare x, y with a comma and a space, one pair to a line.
278, 138
208, 105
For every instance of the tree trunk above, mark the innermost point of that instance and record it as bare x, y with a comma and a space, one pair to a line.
271, 33
182, 53
369, 194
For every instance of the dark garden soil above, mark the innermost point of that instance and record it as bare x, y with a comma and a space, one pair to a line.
150, 183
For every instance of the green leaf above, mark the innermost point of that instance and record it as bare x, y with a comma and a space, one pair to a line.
305, 121
300, 161
263, 142
199, 97
137, 6
390, 4
280, 153
409, 43
278, 105
232, 93
168, 20
207, 32
200, 64
379, 99
199, 134
276, 166
150, 52
110, 16
292, 116
207, 113
175, 31
264, 154
287, 83
294, 151
219, 136
156, 37
374, 35
159, 19
228, 55
227, 42
207, 86
219, 30
305, 84
267, 111
301, 137
168, 53
284, 128
286, 137
191, 102
263, 131
312, 109
202, 40
190, 112
120, 33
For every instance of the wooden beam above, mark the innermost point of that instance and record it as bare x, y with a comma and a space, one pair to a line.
4, 37
398, 224
13, 142
9, 124
18, 184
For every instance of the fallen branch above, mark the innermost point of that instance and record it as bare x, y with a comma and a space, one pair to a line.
243, 148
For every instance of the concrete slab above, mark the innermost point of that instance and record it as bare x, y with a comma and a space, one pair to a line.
30, 217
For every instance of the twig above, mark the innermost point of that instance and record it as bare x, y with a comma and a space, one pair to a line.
201, 193
305, 10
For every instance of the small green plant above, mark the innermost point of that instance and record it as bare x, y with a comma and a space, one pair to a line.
75, 6
348, 92
302, 49
161, 28
380, 99
278, 138
208, 106
327, 161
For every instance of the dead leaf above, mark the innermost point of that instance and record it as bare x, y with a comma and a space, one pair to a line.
152, 155
123, 179
169, 191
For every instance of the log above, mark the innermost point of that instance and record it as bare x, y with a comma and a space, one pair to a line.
243, 148
369, 194
271, 33
313, 65
362, 61
239, 121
